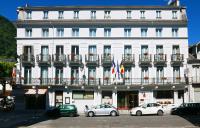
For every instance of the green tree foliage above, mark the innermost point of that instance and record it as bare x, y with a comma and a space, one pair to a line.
6, 69
7, 39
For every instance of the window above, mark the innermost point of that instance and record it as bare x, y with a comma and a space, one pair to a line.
174, 32
28, 32
174, 14
93, 14
45, 32
83, 95
92, 32
176, 74
142, 14
180, 94
163, 94
58, 75
27, 75
75, 32
128, 14
145, 74
107, 15
158, 32
28, 15
45, 15
76, 14
159, 74
158, 14
127, 32
144, 32
60, 32
107, 32
44, 75
60, 14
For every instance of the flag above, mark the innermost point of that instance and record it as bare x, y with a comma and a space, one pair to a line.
171, 2
122, 70
113, 66
118, 73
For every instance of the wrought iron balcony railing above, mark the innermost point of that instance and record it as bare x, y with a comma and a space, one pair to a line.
28, 59
43, 59
92, 59
106, 59
75, 60
128, 59
103, 81
59, 59
177, 57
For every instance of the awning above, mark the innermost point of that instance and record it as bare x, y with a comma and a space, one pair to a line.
33, 91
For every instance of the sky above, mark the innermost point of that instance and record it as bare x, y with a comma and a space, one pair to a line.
8, 9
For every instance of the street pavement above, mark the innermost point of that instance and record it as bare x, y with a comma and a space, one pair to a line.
122, 121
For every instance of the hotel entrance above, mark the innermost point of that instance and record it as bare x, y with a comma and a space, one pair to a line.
127, 100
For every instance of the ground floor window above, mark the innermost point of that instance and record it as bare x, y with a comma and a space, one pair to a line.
164, 94
58, 98
33, 102
83, 95
107, 97
180, 94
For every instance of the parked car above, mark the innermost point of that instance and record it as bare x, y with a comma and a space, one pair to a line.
150, 108
103, 109
187, 109
63, 110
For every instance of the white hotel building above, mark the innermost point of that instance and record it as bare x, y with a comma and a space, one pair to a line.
66, 54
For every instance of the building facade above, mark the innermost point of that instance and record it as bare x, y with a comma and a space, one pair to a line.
88, 55
194, 72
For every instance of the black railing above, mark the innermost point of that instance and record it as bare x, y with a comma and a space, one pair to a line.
59, 58
41, 58
128, 58
28, 58
160, 57
177, 57
92, 58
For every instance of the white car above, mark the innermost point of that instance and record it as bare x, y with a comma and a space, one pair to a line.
145, 109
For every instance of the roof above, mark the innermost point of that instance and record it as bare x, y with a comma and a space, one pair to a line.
53, 8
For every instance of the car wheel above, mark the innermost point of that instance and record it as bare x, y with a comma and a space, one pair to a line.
113, 113
138, 113
160, 112
91, 114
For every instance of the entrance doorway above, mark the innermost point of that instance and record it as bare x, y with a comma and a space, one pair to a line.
127, 100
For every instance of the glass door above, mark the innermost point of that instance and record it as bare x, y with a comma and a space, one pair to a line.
27, 53
145, 75
44, 75
92, 75
75, 53
159, 75
27, 75
127, 76
59, 75
107, 53
144, 53
74, 76
127, 53
44, 53
176, 74
92, 53
59, 53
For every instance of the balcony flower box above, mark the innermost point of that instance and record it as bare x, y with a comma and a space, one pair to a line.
163, 78
106, 78
146, 78
91, 78
178, 78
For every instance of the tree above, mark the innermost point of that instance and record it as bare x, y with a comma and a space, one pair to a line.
7, 39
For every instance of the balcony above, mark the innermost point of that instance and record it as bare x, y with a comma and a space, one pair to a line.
92, 60
59, 60
128, 60
106, 81
177, 59
106, 60
44, 60
160, 59
75, 60
27, 60
145, 59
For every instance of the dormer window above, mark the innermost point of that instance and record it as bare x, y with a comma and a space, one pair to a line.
60, 14
45, 15
142, 14
28, 15
76, 14
107, 15
93, 14
158, 14
128, 14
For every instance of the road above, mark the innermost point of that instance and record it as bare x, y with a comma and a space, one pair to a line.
122, 121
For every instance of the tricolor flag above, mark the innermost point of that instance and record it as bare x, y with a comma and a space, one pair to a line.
118, 73
122, 69
113, 67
